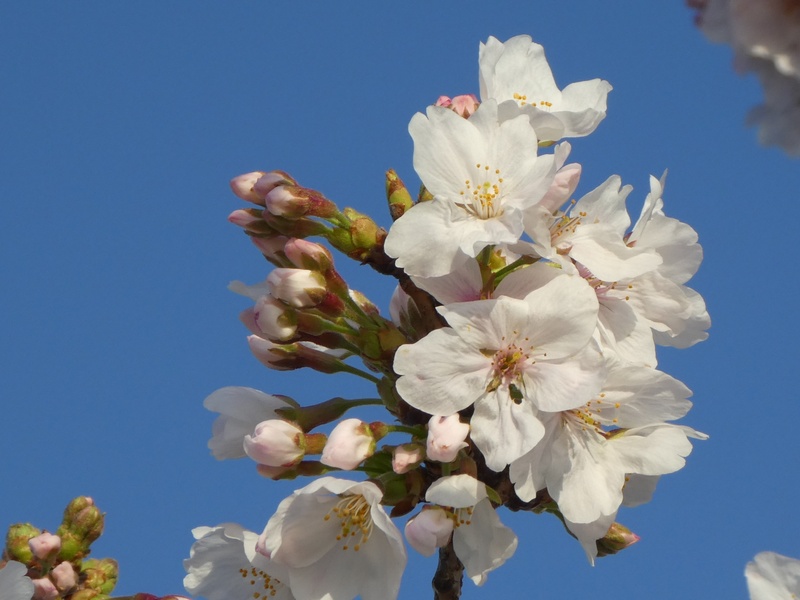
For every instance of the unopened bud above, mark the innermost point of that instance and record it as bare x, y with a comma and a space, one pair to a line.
44, 589
358, 239
276, 320
271, 247
298, 288
429, 530
64, 576
463, 105
100, 574
446, 437
349, 444
270, 180
616, 539
308, 255
17, 542
242, 186
45, 545
397, 194
293, 202
406, 457
276, 443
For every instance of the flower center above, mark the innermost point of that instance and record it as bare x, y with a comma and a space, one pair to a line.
480, 197
355, 518
522, 100
460, 516
506, 368
263, 585
590, 415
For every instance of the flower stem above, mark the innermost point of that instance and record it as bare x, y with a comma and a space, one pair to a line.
449, 575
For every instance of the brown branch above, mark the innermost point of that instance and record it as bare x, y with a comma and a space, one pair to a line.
449, 575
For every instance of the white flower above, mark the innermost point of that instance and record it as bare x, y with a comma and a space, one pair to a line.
771, 576
446, 437
240, 409
481, 542
224, 565
588, 453
14, 582
336, 542
348, 445
510, 358
483, 175
516, 73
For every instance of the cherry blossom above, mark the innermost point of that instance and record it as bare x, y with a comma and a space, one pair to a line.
772, 576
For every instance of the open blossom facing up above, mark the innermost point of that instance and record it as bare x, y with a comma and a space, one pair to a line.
510, 358
336, 542
482, 174
224, 565
517, 370
771, 576
517, 72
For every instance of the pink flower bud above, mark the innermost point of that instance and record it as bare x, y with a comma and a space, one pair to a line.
276, 443
243, 218
446, 437
294, 202
64, 576
429, 530
242, 186
276, 320
407, 456
271, 247
298, 288
464, 105
269, 181
44, 589
308, 255
44, 545
350, 442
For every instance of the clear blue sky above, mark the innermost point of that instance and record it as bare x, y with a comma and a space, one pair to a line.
121, 125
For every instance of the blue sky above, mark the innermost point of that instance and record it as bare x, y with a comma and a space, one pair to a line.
121, 126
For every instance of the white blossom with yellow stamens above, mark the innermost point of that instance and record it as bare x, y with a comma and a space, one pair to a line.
481, 542
516, 74
482, 174
223, 565
336, 542
588, 453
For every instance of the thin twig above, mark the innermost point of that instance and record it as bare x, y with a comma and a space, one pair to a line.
449, 575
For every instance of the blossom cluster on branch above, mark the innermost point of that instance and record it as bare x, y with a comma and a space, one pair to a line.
518, 363
765, 37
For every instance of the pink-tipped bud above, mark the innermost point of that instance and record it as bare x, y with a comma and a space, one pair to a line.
242, 186
269, 181
44, 589
349, 444
294, 202
244, 218
272, 248
429, 530
64, 576
274, 319
406, 457
298, 288
616, 539
446, 437
463, 105
45, 545
308, 255
276, 443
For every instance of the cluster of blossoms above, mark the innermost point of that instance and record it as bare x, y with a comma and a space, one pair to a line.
765, 37
518, 366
